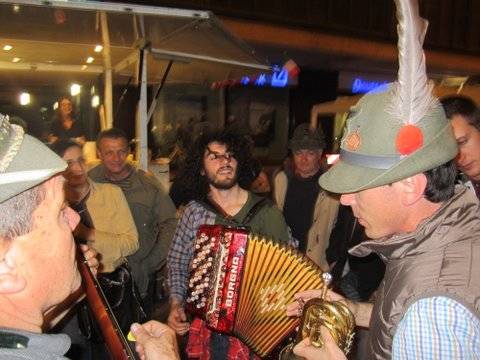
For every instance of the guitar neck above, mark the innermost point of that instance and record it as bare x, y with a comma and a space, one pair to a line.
115, 341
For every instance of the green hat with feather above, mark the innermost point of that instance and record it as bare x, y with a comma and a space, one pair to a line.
400, 131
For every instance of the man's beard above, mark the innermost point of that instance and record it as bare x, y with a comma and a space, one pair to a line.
225, 184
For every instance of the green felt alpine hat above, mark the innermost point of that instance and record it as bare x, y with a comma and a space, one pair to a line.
24, 161
375, 147
399, 132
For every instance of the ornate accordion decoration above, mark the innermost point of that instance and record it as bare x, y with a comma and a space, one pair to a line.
240, 284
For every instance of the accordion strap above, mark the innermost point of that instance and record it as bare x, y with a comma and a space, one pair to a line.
216, 208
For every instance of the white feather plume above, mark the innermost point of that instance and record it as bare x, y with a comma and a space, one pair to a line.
412, 95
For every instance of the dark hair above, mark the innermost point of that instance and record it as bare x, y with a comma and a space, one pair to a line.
463, 106
441, 182
194, 186
113, 133
61, 146
60, 99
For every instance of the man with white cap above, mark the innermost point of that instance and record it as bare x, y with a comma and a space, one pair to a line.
397, 173
38, 270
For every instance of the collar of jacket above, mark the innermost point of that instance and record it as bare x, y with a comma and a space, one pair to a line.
103, 173
456, 211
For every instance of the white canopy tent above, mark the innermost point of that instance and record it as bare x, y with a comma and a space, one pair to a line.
52, 41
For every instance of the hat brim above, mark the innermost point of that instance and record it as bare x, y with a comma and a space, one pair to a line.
345, 178
32, 155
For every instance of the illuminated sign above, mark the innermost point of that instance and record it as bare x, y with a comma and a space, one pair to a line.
360, 86
279, 78
261, 80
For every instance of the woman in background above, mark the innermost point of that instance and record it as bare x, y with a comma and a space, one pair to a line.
65, 126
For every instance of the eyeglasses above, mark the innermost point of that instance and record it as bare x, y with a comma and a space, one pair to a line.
80, 161
214, 156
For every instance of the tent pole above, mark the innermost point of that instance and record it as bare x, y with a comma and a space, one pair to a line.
108, 103
142, 116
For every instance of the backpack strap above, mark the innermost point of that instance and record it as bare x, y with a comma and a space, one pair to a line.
211, 205
255, 209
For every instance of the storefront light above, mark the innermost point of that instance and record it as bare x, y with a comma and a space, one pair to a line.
95, 101
75, 89
24, 98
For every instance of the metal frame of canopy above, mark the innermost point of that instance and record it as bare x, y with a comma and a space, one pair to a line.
237, 54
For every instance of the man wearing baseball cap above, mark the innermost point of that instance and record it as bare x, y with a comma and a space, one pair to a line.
37, 254
309, 211
397, 173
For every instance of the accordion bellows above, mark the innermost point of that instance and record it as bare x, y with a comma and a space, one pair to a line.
240, 284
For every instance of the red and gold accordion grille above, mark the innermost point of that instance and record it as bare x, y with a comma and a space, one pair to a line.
240, 284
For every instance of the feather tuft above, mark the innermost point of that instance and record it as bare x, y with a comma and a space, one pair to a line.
412, 95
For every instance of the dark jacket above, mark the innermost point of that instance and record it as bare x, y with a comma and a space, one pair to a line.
346, 234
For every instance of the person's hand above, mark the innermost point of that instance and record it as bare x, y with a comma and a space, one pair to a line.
52, 138
155, 341
177, 319
329, 350
90, 255
80, 140
295, 308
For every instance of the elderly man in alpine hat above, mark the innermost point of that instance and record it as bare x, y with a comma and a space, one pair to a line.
38, 270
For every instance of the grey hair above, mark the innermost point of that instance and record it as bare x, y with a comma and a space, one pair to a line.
16, 219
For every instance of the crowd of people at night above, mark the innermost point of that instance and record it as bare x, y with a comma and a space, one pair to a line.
395, 221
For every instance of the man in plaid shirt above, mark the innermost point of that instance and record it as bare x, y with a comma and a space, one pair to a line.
217, 173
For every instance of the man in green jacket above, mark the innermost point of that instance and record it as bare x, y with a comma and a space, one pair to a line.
152, 209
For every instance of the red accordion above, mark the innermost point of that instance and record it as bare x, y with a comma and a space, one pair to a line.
240, 284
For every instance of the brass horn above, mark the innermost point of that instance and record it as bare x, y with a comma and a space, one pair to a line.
334, 315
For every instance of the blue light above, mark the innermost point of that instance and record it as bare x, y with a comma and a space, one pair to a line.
261, 80
279, 79
245, 80
361, 86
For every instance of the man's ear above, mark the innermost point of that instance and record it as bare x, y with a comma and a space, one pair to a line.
11, 280
413, 189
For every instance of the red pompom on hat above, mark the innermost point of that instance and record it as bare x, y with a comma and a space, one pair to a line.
409, 139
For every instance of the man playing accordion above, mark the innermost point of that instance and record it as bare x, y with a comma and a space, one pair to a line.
215, 177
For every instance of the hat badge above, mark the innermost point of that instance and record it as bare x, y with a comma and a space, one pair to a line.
353, 141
